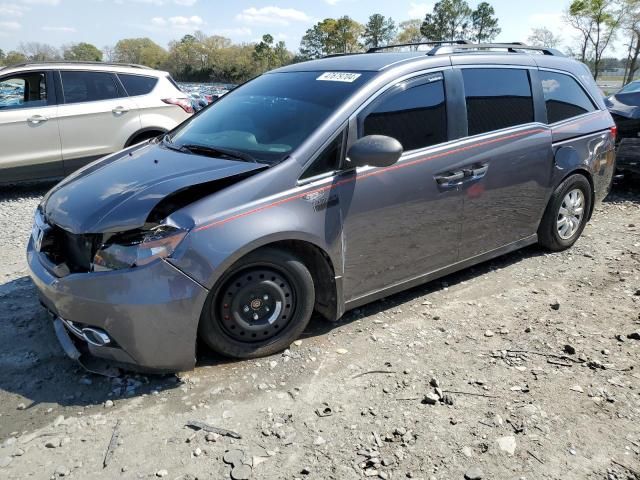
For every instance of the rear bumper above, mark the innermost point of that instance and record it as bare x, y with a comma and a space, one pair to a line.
151, 313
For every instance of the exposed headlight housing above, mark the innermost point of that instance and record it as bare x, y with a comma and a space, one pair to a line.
136, 249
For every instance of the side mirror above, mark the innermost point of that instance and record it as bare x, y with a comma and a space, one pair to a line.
375, 150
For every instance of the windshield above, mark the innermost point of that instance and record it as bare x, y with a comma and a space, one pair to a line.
272, 115
633, 87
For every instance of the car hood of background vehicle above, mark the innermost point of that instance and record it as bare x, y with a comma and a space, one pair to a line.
118, 193
625, 104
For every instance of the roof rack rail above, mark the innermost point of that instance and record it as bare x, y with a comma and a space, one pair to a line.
509, 47
417, 44
73, 62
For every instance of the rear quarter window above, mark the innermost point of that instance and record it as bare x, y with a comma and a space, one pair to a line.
564, 97
137, 84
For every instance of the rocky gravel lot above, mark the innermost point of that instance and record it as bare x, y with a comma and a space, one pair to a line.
526, 367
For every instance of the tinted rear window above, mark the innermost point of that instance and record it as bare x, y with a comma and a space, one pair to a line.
137, 84
497, 98
564, 97
88, 86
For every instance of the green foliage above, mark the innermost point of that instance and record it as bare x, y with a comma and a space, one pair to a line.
410, 32
331, 36
450, 20
378, 31
142, 51
484, 23
13, 58
2, 55
82, 52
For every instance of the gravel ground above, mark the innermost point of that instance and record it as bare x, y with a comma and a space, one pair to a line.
534, 356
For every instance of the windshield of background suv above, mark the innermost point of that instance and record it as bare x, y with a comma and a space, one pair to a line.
272, 115
633, 87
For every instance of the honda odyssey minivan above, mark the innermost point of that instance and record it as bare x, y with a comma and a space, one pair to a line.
319, 187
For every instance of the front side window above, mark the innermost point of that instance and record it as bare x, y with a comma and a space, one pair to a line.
328, 160
497, 98
414, 113
564, 97
26, 90
88, 86
271, 116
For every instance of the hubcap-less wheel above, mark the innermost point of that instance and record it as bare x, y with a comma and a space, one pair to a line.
570, 214
256, 304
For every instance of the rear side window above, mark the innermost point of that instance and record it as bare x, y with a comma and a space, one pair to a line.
564, 97
26, 90
414, 113
88, 86
497, 98
137, 84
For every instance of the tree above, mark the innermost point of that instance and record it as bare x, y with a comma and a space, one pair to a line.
631, 27
108, 53
347, 35
331, 36
378, 31
543, 37
263, 53
315, 42
141, 51
38, 52
484, 23
410, 32
2, 55
450, 20
13, 58
82, 52
598, 22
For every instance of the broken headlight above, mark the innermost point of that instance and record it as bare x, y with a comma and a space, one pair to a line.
136, 249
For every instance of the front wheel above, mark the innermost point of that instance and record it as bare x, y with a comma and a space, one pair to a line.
262, 304
566, 214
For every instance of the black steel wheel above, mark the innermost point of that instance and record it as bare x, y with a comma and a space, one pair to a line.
260, 306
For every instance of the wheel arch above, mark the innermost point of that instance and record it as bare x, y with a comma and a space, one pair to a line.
142, 133
581, 170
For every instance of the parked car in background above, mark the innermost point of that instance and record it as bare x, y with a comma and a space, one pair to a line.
320, 186
625, 110
57, 117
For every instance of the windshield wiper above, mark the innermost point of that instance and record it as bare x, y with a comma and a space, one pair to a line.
218, 152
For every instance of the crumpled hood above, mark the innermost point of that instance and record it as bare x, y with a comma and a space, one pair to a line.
117, 193
625, 104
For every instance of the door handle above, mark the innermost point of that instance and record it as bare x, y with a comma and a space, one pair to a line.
37, 119
448, 179
476, 171
119, 110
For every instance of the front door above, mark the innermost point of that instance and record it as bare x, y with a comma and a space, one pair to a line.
399, 222
29, 135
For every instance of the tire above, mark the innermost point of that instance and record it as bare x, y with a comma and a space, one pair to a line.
259, 307
550, 231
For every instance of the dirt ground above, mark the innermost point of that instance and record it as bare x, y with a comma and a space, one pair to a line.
538, 354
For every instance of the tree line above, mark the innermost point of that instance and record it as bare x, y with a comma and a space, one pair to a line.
595, 24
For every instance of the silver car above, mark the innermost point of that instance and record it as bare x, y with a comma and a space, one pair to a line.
319, 187
56, 117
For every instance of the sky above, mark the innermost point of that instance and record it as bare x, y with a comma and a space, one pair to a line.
104, 22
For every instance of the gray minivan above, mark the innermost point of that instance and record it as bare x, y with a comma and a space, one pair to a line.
319, 186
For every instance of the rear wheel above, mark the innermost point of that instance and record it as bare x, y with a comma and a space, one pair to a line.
566, 214
260, 306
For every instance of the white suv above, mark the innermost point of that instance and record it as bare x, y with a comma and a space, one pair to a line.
57, 117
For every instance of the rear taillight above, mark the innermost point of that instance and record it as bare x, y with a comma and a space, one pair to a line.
614, 132
183, 103
209, 98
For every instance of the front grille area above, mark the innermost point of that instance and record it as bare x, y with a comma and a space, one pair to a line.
71, 253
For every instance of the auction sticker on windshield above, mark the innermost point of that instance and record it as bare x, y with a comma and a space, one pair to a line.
339, 77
